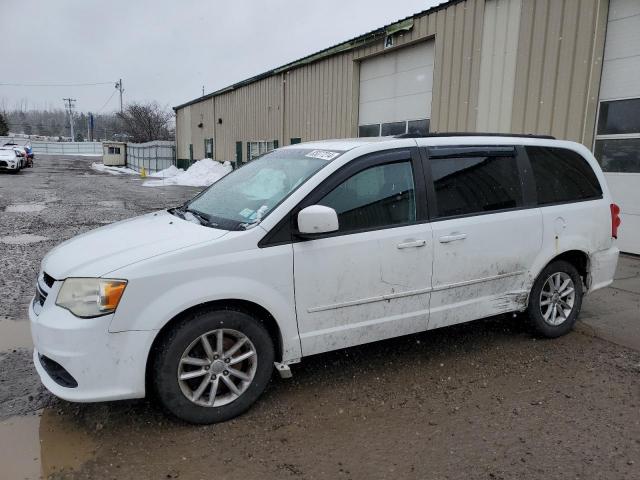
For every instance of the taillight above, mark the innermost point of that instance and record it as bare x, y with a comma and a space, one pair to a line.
615, 220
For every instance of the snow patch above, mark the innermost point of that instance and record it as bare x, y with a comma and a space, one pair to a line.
172, 171
102, 168
23, 239
201, 174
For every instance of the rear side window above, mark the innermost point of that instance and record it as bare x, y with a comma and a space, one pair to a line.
472, 185
562, 176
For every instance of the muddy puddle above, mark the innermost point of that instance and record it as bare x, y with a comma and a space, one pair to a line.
38, 445
14, 334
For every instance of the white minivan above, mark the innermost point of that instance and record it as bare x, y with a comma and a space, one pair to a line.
320, 246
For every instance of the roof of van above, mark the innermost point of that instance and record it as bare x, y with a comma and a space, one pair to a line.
344, 144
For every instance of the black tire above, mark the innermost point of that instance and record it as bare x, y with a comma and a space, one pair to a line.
169, 351
534, 310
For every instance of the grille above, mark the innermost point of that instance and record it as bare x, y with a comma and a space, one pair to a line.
41, 295
3, 163
48, 279
43, 285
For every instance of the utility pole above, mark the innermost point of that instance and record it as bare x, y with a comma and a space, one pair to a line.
69, 106
203, 90
119, 87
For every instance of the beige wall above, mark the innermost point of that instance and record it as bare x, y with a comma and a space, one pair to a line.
250, 113
183, 132
560, 50
537, 73
319, 100
498, 65
201, 113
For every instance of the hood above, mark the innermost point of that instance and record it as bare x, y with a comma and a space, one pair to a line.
100, 251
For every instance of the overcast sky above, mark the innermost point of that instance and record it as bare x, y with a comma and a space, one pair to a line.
166, 50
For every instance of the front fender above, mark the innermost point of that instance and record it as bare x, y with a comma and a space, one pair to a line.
162, 288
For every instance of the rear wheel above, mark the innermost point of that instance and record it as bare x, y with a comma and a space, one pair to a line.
556, 299
212, 366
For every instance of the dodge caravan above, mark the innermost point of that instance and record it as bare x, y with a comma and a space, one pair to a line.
321, 246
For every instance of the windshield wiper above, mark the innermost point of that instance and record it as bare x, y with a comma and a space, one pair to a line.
201, 216
177, 211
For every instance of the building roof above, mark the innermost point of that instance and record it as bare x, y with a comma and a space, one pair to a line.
397, 26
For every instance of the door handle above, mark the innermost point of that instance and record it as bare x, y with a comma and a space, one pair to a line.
453, 237
412, 244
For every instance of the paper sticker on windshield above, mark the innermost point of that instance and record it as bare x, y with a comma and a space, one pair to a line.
323, 154
246, 213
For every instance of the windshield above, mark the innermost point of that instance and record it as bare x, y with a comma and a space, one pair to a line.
244, 197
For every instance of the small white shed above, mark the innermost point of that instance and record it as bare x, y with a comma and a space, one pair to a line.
114, 153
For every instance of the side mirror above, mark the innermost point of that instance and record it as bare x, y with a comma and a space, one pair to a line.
317, 219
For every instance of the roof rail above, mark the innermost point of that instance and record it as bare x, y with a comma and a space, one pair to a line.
473, 134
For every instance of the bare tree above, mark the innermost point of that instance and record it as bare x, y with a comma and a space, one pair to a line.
144, 122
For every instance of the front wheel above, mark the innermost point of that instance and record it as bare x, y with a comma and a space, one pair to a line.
556, 299
212, 366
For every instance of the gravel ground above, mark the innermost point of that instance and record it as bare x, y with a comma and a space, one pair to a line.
482, 400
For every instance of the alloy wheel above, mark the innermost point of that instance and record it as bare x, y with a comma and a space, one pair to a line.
557, 298
217, 367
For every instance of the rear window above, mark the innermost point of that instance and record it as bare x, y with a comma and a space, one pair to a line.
562, 176
478, 184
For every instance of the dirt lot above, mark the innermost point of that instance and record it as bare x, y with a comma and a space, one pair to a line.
482, 400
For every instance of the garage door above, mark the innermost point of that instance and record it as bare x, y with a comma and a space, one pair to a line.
617, 145
395, 91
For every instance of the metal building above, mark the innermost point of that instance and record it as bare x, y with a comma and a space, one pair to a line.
568, 68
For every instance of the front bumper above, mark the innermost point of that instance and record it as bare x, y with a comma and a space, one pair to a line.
106, 366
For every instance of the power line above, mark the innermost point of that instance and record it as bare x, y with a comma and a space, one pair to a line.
8, 84
107, 102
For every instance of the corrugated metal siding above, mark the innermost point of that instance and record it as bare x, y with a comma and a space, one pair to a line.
558, 68
498, 65
183, 132
201, 113
250, 113
318, 100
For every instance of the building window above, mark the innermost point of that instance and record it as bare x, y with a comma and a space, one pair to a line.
617, 145
296, 140
418, 127
369, 130
394, 128
415, 127
208, 147
257, 149
114, 151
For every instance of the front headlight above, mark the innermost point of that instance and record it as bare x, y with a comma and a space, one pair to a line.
90, 297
